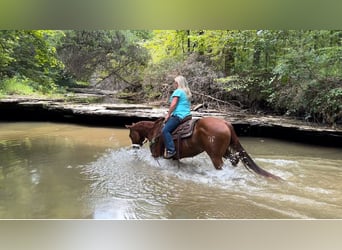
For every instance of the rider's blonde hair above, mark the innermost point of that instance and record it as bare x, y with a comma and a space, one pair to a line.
183, 84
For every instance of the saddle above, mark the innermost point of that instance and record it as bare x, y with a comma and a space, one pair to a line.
185, 129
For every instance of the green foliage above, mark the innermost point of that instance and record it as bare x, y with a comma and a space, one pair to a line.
15, 86
290, 72
307, 78
295, 72
323, 102
103, 54
165, 44
160, 77
29, 54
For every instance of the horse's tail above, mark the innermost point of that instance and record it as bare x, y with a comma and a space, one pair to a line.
244, 156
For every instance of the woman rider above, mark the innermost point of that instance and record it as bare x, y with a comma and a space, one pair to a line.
179, 108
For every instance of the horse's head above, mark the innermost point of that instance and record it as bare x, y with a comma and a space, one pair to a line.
136, 134
140, 131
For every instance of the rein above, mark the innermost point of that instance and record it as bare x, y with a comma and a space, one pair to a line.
137, 146
154, 141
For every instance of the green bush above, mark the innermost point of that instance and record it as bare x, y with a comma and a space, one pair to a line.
326, 105
15, 86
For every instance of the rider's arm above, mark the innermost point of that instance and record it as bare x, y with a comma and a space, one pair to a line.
172, 107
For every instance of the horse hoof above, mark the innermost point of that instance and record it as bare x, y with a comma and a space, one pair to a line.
234, 160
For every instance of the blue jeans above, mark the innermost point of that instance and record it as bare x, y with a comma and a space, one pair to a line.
169, 127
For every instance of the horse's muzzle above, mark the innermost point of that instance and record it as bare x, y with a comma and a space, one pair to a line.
135, 146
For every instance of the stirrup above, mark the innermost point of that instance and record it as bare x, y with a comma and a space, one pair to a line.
169, 155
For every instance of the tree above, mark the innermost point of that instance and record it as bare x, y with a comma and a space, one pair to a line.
29, 54
295, 72
102, 55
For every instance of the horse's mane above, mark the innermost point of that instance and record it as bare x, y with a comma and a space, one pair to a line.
149, 129
157, 126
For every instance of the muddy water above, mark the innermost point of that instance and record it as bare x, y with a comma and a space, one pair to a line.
54, 171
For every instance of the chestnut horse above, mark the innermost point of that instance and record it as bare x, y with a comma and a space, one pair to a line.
215, 136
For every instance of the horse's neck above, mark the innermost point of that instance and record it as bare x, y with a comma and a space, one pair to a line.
145, 129
155, 130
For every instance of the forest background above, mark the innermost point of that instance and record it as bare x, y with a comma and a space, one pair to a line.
285, 72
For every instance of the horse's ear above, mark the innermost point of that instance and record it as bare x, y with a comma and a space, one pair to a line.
160, 119
129, 126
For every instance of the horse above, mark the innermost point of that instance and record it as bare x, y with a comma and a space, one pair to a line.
215, 136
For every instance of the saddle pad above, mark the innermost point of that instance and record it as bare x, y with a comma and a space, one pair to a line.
185, 129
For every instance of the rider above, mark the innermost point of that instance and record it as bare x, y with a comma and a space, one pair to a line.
178, 110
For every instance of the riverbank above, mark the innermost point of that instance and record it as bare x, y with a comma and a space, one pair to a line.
19, 108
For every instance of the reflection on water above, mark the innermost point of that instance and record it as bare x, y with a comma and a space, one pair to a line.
66, 171
40, 166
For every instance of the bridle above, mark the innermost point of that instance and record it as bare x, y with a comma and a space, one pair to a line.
138, 146
155, 140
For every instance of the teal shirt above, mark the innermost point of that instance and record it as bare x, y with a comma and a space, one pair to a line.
183, 106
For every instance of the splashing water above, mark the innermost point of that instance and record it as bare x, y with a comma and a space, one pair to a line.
156, 188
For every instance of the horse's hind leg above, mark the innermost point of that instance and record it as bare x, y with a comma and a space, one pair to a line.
233, 157
234, 160
216, 153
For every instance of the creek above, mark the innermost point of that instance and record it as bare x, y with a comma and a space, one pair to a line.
64, 171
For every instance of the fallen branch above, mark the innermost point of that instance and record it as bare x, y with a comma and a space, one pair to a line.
231, 106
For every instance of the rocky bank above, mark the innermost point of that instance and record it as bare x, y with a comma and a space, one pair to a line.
18, 108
